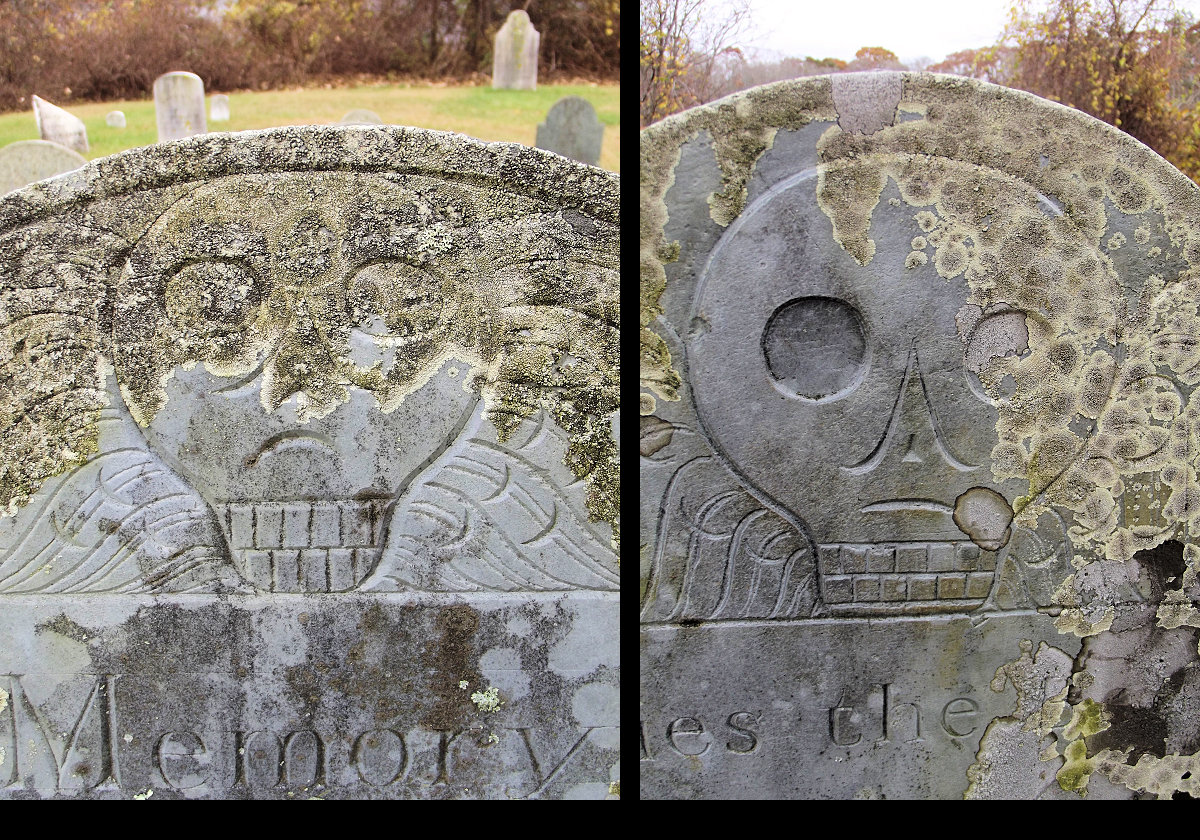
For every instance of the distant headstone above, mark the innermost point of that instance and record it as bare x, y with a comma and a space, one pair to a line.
218, 108
27, 161
58, 126
920, 362
309, 472
360, 116
572, 130
179, 105
515, 53
115, 119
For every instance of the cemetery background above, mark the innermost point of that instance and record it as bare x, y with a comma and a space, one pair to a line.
426, 63
1131, 63
477, 110
84, 50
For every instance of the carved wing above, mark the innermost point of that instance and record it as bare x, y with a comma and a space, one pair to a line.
721, 554
121, 522
77, 521
53, 334
495, 517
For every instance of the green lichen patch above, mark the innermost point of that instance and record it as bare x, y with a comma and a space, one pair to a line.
1087, 718
275, 267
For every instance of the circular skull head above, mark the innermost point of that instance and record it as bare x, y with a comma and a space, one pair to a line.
844, 392
286, 343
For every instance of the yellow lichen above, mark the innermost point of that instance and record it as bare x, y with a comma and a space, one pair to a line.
1104, 402
487, 700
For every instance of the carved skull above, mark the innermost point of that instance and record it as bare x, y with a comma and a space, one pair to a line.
845, 396
325, 381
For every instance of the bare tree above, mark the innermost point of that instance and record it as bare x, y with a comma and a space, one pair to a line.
682, 45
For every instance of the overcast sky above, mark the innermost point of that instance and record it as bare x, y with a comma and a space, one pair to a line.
910, 28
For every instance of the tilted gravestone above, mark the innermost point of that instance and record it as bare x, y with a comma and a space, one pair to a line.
309, 472
572, 130
27, 161
115, 119
179, 105
360, 116
515, 53
58, 126
218, 108
919, 367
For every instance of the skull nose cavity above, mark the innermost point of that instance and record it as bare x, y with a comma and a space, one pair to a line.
913, 434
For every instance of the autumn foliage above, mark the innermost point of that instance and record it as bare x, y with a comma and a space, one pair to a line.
1131, 63
683, 43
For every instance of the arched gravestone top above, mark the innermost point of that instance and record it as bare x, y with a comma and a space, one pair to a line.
311, 427
27, 161
219, 108
919, 370
115, 119
179, 105
572, 130
515, 53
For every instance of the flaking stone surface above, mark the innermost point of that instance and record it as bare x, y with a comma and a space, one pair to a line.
918, 473
308, 472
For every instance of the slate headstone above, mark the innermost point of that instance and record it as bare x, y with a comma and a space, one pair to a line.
58, 126
27, 161
515, 53
218, 108
179, 105
572, 130
360, 116
918, 474
311, 485
115, 119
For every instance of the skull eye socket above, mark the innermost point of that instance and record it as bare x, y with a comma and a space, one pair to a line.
215, 297
996, 334
396, 299
816, 348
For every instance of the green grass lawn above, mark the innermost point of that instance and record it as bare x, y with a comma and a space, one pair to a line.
481, 112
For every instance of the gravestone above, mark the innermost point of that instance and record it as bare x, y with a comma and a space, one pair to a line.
572, 130
919, 368
360, 116
179, 105
515, 53
27, 161
309, 472
58, 126
218, 108
115, 119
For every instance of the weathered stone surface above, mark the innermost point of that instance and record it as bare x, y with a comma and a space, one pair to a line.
572, 130
115, 119
218, 108
179, 105
58, 126
309, 472
27, 161
515, 53
360, 116
919, 378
